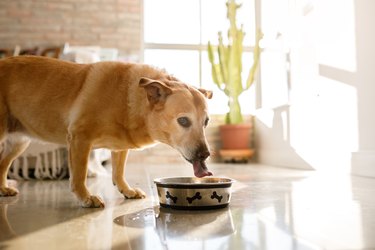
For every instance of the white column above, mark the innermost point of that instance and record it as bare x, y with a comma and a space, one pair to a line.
363, 161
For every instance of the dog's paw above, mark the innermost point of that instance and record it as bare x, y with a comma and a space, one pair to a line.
8, 191
93, 202
134, 193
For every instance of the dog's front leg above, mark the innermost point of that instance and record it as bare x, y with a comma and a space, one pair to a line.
79, 150
118, 178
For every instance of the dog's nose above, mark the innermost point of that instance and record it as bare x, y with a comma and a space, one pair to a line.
203, 154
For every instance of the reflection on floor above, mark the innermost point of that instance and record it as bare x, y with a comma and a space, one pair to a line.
271, 208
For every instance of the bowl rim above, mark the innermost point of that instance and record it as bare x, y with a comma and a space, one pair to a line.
168, 182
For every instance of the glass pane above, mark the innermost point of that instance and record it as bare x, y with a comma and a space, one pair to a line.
171, 21
274, 79
274, 17
219, 103
183, 64
274, 87
214, 19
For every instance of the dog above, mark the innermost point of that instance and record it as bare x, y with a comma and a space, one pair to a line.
114, 105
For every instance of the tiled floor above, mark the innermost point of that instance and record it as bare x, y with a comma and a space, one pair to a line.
271, 208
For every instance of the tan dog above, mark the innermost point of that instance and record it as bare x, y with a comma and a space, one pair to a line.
119, 106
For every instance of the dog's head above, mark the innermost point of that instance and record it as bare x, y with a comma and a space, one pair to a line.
178, 117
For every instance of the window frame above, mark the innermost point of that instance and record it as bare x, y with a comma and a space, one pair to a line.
200, 48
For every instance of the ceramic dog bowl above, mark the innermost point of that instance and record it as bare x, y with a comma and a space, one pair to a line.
194, 193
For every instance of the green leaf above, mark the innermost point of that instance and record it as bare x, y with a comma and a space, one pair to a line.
256, 56
234, 115
223, 59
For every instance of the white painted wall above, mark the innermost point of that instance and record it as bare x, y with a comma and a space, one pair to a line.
329, 122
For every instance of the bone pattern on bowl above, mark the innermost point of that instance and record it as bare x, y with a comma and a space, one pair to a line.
169, 196
209, 197
196, 196
216, 196
194, 193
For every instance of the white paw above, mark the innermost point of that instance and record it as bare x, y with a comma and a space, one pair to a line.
8, 191
133, 193
93, 202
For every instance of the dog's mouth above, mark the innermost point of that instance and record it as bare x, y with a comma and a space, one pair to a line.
199, 166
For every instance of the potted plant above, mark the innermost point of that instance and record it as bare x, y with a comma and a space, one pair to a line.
226, 74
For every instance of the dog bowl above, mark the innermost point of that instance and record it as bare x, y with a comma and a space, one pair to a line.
194, 193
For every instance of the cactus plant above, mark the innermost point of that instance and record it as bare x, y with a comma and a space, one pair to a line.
226, 73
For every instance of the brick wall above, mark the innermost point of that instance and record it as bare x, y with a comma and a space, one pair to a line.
107, 23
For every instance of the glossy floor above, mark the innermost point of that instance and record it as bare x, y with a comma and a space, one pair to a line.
271, 208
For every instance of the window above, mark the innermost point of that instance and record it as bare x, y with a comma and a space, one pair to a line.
275, 58
176, 33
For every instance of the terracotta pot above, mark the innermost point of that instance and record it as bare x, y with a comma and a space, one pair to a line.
236, 136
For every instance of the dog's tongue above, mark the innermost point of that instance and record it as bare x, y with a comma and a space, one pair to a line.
200, 169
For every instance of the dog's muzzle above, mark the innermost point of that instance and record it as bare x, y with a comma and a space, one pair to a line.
199, 164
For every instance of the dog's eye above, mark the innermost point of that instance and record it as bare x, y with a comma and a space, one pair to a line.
184, 122
206, 122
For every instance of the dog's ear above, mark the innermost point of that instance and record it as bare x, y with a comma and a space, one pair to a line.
207, 93
157, 91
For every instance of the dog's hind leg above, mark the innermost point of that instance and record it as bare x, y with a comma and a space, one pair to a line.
13, 146
118, 178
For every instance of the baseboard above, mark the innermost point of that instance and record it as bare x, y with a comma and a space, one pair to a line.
363, 163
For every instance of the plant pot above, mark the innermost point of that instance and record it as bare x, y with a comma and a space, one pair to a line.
235, 136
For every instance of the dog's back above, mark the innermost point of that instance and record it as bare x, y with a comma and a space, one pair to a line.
42, 88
